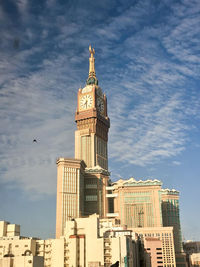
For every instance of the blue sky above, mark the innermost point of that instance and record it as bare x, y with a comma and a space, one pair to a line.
147, 63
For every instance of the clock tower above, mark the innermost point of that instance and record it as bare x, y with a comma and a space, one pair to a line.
82, 181
92, 121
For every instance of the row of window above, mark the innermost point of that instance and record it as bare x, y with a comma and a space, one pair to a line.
91, 198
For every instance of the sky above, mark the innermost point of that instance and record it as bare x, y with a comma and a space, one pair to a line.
147, 63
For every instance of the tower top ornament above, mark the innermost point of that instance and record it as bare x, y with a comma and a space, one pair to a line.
92, 74
92, 51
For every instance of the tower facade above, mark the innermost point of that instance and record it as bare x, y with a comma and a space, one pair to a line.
92, 121
81, 182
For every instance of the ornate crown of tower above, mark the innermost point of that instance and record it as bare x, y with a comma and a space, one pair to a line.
92, 121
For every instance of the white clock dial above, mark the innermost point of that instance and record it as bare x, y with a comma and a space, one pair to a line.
86, 102
100, 104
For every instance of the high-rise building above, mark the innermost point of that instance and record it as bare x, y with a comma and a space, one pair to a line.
81, 182
138, 203
70, 192
92, 121
171, 217
144, 204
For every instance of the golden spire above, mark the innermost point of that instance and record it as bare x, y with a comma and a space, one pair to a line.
92, 74
91, 62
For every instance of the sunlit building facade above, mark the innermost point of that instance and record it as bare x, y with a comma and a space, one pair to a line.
138, 203
143, 206
70, 192
89, 241
81, 182
165, 234
153, 249
16, 250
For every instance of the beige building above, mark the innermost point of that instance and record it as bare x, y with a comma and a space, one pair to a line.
22, 261
87, 241
144, 204
81, 182
153, 248
15, 250
92, 121
137, 203
9, 230
165, 235
99, 242
53, 251
70, 192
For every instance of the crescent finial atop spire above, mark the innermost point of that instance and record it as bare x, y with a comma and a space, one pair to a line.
92, 74
92, 51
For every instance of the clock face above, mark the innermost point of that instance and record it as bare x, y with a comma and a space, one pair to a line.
86, 101
100, 104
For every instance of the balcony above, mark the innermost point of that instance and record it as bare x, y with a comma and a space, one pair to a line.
110, 188
112, 214
111, 195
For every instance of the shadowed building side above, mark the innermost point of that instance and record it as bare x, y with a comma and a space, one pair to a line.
171, 217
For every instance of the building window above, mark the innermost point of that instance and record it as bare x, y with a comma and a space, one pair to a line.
91, 198
91, 186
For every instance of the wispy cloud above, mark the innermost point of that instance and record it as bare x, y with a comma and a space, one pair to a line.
146, 71
22, 5
151, 107
176, 162
150, 132
32, 106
